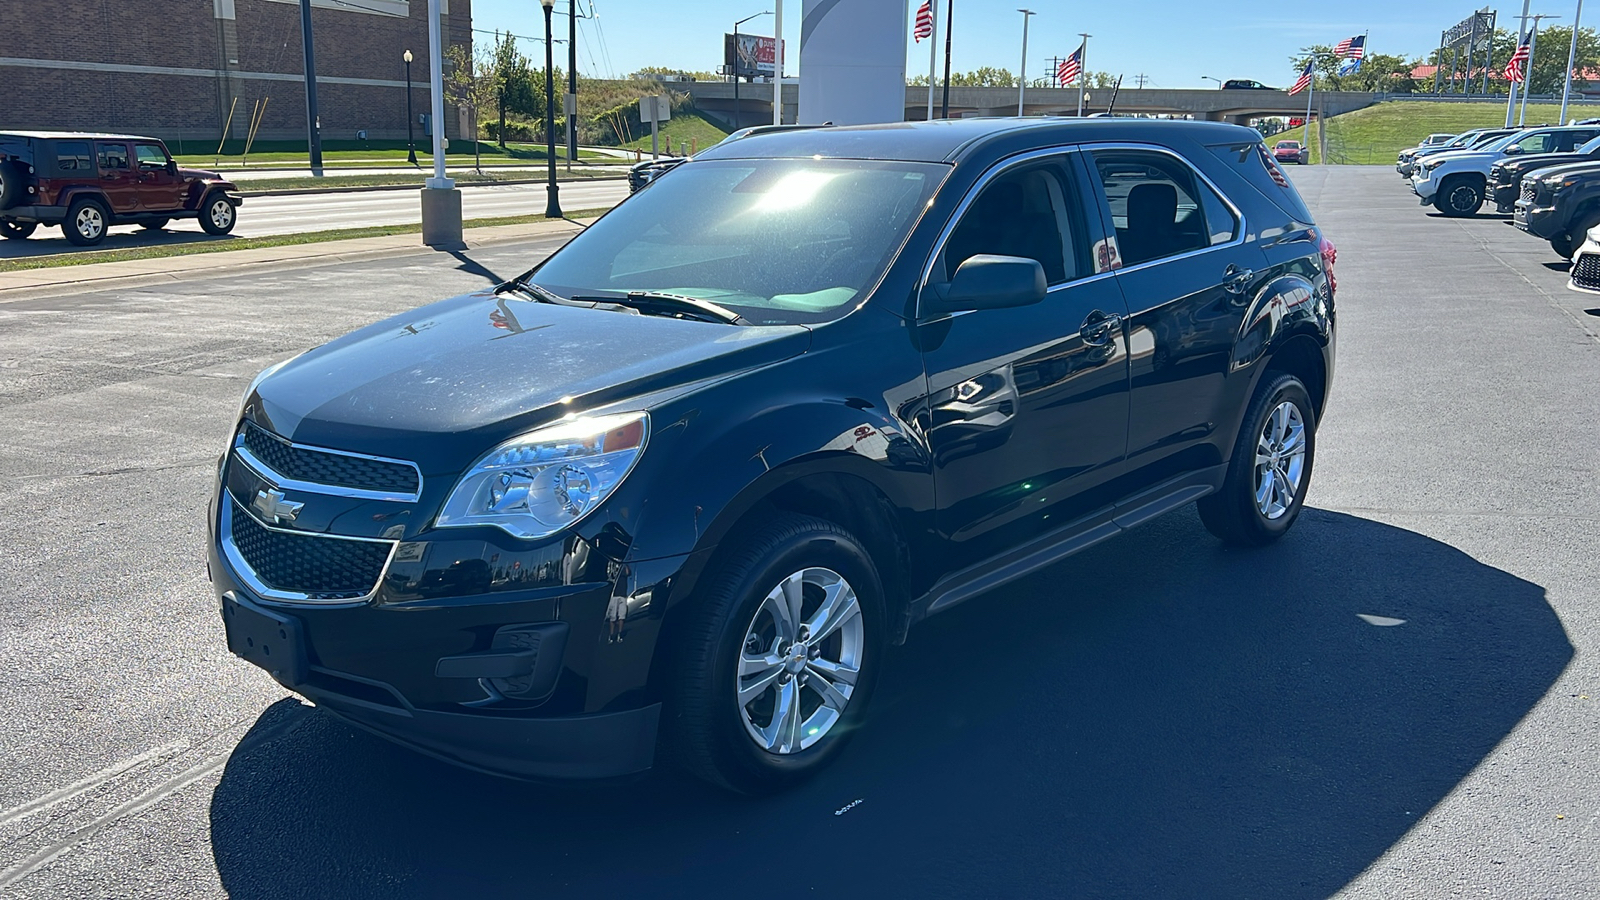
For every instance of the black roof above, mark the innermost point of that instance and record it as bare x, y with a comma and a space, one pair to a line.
943, 140
78, 135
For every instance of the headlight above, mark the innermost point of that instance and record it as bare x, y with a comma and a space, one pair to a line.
535, 485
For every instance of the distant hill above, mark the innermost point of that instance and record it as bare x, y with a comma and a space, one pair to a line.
1376, 134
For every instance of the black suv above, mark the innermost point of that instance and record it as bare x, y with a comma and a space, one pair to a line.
88, 182
1560, 204
684, 481
1506, 176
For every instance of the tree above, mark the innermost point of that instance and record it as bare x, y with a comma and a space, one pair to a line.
1550, 57
652, 71
988, 76
514, 82
1378, 72
469, 80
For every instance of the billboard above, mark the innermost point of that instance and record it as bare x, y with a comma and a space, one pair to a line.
751, 55
853, 61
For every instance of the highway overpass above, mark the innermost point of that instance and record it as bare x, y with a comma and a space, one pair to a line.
755, 102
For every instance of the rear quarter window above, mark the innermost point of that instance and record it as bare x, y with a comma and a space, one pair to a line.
73, 156
1253, 162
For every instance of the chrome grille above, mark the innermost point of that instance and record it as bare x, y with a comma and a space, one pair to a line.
304, 567
1529, 189
1586, 271
293, 462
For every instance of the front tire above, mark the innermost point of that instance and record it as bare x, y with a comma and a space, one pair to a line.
17, 231
1563, 246
779, 659
85, 224
1269, 474
218, 215
1574, 238
1459, 196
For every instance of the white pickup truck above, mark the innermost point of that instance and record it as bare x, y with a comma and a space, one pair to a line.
1456, 182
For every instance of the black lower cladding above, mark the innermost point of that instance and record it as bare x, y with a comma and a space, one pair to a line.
1586, 271
323, 568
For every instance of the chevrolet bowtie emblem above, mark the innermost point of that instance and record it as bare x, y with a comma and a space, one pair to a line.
273, 508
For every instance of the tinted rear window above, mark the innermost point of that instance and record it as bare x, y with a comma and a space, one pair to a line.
73, 156
1254, 162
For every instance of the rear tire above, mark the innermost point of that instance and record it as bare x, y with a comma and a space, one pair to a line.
17, 231
744, 643
86, 221
218, 214
1459, 196
1270, 471
10, 185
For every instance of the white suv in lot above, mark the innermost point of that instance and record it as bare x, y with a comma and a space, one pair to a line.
1455, 182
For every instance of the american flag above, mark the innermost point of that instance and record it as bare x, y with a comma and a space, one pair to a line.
1353, 48
1514, 64
1303, 82
1071, 67
924, 27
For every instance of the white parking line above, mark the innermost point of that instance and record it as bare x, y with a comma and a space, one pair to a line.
18, 813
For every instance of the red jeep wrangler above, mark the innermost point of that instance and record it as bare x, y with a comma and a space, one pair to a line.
88, 182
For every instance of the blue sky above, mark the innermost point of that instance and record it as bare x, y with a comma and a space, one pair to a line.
1174, 42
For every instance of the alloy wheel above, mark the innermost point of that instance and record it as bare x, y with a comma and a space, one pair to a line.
800, 660
221, 214
1280, 460
90, 223
1463, 198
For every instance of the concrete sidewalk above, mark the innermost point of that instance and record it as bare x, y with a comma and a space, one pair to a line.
30, 283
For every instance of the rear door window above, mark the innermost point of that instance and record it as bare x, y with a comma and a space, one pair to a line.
73, 156
1155, 205
113, 158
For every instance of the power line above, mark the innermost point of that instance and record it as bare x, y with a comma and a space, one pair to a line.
524, 37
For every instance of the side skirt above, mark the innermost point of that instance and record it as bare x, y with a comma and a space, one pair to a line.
1056, 545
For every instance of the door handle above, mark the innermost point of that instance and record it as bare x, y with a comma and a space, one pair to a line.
1235, 279
1100, 328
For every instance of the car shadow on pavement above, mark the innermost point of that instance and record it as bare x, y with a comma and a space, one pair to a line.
44, 244
1157, 717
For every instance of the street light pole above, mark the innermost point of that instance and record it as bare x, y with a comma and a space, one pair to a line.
736, 110
1209, 78
777, 62
552, 206
1083, 69
1527, 70
411, 144
571, 107
313, 121
1572, 52
1022, 69
949, 32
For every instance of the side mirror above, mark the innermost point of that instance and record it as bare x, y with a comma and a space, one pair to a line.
172, 167
1513, 150
988, 281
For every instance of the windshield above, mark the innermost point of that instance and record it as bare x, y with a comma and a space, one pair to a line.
1497, 140
1464, 139
778, 241
1288, 145
1592, 146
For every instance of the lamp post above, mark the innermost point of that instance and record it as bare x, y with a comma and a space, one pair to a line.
411, 144
1572, 53
1022, 69
1209, 78
552, 206
736, 63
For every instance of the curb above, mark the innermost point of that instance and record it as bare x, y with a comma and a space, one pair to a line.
354, 189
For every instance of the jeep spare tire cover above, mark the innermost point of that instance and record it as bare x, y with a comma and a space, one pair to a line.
9, 184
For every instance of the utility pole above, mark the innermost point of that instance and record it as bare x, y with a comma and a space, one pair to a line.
572, 82
1055, 69
1022, 68
1140, 80
313, 129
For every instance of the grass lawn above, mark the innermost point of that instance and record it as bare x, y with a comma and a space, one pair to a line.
357, 153
686, 127
1376, 134
214, 245
489, 176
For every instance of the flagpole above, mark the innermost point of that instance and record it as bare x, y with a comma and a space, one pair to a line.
1022, 68
1522, 35
1083, 68
1311, 91
1527, 70
933, 53
1572, 53
949, 29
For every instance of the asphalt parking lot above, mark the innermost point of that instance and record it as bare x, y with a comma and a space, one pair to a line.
1401, 699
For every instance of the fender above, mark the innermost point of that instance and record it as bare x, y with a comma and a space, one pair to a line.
1289, 305
71, 193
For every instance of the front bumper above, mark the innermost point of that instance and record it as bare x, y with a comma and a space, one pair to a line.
1505, 197
1424, 186
458, 677
1585, 277
1539, 221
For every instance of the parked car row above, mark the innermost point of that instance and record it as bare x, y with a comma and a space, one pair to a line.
87, 183
1547, 178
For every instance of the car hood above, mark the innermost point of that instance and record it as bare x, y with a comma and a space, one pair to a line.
1577, 166
198, 174
1462, 156
1540, 160
472, 369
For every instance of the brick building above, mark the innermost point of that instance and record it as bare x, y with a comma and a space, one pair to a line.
174, 68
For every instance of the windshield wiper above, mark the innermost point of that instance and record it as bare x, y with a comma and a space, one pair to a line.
542, 295
661, 302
